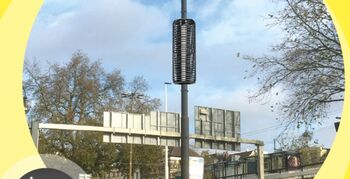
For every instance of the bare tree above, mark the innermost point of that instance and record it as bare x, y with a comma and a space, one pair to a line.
147, 158
136, 99
307, 65
290, 142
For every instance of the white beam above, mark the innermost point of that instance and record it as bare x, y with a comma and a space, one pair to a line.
144, 133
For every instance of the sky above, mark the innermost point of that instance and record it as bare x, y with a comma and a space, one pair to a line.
135, 36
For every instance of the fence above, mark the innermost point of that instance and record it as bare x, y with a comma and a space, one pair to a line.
275, 163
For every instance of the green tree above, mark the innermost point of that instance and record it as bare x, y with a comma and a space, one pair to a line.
148, 159
77, 93
307, 65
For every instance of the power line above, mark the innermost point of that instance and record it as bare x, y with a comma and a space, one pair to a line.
267, 129
262, 130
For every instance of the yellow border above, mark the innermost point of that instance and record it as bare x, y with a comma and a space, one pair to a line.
18, 154
337, 163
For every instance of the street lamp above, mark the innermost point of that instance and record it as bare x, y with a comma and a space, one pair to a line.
166, 110
132, 96
166, 96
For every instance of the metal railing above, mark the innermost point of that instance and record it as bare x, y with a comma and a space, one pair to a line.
290, 163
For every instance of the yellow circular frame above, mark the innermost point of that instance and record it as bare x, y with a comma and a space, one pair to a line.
18, 154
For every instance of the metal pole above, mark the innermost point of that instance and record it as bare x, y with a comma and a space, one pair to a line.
183, 9
130, 152
184, 133
166, 163
166, 96
166, 147
184, 116
130, 162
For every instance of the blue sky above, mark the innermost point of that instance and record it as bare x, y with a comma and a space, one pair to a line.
135, 37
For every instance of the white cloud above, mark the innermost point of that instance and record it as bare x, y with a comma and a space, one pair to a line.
209, 9
242, 22
108, 28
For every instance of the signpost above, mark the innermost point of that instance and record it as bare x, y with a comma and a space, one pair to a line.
217, 123
157, 128
196, 167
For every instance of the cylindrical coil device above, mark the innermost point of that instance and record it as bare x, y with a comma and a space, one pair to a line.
184, 51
